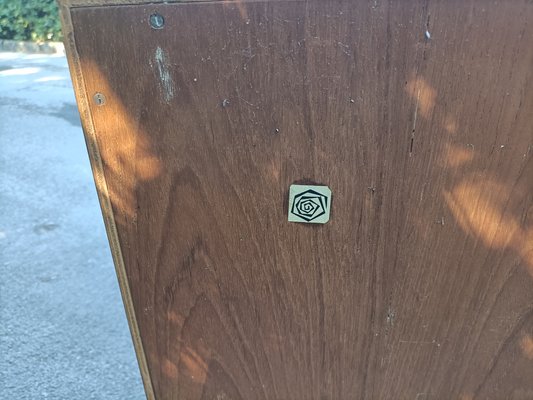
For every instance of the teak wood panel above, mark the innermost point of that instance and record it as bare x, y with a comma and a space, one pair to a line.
419, 117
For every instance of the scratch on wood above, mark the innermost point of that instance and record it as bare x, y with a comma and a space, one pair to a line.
167, 84
433, 342
414, 122
391, 315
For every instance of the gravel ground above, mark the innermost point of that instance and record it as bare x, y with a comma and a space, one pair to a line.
63, 330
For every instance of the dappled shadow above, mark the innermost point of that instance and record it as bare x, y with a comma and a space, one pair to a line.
480, 167
483, 206
69, 113
526, 344
124, 146
484, 210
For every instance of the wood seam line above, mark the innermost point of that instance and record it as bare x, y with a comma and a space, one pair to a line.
103, 3
103, 195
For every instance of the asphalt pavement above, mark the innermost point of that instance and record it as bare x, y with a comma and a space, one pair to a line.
63, 330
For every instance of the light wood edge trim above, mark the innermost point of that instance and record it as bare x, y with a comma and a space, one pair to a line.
103, 196
101, 3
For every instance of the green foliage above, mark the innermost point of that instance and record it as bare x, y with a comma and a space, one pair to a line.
36, 20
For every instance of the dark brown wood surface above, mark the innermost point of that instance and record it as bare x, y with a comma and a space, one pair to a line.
419, 117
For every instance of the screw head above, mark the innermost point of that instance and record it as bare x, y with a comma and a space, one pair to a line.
99, 99
157, 21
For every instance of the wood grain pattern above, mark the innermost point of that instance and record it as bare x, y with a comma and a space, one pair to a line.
421, 284
102, 190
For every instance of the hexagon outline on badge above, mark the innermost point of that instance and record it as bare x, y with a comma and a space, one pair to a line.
309, 204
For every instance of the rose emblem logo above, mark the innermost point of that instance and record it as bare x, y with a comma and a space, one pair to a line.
309, 204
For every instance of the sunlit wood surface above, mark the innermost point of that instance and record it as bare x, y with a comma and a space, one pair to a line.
419, 117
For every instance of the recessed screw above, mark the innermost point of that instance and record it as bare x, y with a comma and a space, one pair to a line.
99, 99
225, 103
157, 21
276, 130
